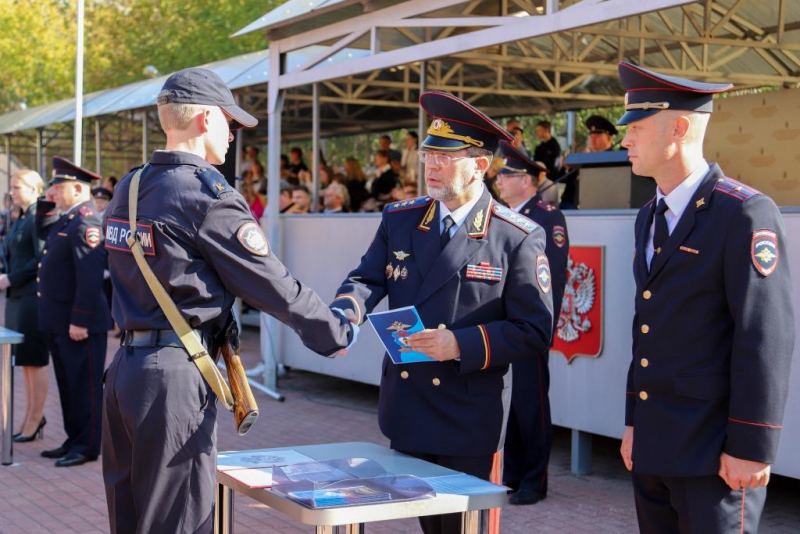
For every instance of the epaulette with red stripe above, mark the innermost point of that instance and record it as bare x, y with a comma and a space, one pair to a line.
736, 189
411, 203
542, 205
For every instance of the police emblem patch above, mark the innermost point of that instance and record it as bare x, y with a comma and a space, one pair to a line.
92, 236
559, 236
764, 251
251, 238
543, 273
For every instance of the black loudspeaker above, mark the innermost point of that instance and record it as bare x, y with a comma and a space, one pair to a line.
606, 181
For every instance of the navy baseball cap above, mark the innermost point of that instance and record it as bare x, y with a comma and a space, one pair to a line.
66, 171
518, 163
648, 92
206, 88
457, 125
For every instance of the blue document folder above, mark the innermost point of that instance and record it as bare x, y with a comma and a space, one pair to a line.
393, 328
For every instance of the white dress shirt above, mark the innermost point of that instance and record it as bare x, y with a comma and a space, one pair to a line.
676, 201
459, 215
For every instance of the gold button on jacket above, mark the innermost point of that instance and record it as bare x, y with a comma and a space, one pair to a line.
643, 395
436, 381
404, 375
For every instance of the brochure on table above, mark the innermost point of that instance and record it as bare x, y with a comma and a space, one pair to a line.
393, 328
254, 468
346, 482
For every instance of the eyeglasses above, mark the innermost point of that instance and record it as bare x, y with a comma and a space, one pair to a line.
440, 160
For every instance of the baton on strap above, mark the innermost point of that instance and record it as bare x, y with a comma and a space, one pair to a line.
191, 341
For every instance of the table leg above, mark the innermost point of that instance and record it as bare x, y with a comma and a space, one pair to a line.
355, 528
327, 529
6, 405
223, 511
471, 522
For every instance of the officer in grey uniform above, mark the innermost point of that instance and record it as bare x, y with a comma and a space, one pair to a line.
713, 329
202, 243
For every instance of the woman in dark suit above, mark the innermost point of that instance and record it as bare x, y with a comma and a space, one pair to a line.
23, 250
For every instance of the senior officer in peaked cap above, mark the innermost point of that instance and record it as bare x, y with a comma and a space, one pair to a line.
73, 313
202, 243
713, 330
478, 275
529, 435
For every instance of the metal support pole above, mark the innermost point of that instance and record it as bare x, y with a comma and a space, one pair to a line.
78, 135
223, 520
145, 139
571, 131
581, 452
40, 152
315, 149
423, 82
7, 406
8, 160
98, 157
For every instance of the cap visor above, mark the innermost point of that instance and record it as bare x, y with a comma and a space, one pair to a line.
239, 117
636, 115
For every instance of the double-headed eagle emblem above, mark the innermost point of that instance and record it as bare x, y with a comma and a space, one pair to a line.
579, 298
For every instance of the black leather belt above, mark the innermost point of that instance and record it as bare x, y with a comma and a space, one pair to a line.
157, 338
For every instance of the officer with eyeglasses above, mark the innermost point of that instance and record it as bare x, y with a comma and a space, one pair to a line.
478, 275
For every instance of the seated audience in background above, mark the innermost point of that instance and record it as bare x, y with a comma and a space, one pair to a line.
519, 139
249, 158
301, 198
110, 183
284, 167
410, 159
255, 200
296, 164
102, 197
410, 189
386, 179
547, 189
336, 199
548, 151
285, 202
385, 143
356, 183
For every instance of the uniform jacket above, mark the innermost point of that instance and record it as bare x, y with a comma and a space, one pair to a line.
712, 335
203, 244
71, 271
554, 224
22, 252
457, 408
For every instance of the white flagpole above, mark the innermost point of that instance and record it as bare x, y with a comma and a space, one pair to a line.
78, 134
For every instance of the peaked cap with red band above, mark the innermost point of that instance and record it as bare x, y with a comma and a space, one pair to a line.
66, 171
456, 125
648, 92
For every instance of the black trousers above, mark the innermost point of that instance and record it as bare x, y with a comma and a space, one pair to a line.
695, 505
159, 443
478, 466
529, 434
78, 367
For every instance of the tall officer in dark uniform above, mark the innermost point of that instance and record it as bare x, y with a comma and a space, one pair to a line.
202, 243
529, 435
478, 275
73, 313
713, 329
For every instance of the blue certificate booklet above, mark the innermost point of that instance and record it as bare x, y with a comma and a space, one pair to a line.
393, 328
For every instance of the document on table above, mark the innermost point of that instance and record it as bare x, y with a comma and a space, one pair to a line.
462, 484
393, 328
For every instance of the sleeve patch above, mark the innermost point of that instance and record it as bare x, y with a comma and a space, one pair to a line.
252, 239
764, 251
559, 236
92, 236
543, 273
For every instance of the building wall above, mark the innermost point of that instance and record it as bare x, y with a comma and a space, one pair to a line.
756, 140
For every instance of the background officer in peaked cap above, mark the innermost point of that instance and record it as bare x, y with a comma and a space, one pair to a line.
73, 313
713, 329
601, 134
203, 244
478, 276
529, 436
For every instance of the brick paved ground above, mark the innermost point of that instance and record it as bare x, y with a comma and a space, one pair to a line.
37, 498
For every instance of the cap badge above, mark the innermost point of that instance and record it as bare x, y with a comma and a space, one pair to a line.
439, 128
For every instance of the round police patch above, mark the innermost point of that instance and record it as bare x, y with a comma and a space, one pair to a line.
252, 238
92, 236
543, 273
764, 251
559, 236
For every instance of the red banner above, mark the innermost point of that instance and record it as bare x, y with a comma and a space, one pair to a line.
580, 324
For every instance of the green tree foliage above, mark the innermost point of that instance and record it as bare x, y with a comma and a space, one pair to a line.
37, 42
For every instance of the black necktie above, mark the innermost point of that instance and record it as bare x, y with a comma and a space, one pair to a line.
448, 223
662, 230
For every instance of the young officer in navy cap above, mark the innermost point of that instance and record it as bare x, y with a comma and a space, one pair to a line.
478, 275
73, 313
529, 436
713, 330
201, 241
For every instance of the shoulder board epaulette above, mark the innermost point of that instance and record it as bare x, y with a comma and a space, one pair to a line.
542, 205
411, 203
86, 211
511, 216
215, 181
736, 189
